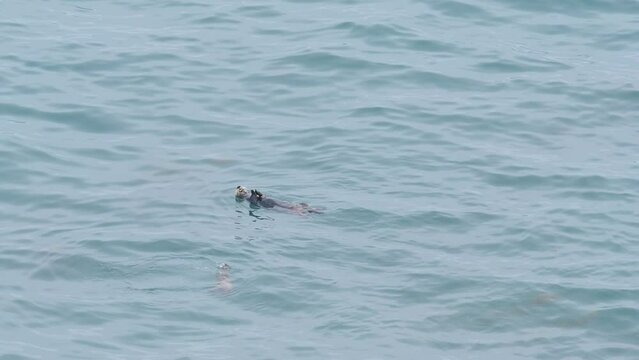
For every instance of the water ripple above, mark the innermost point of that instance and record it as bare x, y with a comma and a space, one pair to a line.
87, 120
475, 162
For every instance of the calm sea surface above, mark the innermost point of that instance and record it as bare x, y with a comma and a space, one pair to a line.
478, 163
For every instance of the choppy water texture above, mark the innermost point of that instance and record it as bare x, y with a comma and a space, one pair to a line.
477, 161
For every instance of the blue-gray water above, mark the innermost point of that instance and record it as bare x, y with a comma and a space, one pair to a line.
477, 160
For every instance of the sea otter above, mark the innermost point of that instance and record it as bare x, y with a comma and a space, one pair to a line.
224, 278
257, 199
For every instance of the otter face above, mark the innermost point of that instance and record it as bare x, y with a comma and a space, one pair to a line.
241, 192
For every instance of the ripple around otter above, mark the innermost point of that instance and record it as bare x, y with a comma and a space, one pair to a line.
476, 160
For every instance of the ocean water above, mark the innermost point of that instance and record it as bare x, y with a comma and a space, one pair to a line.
477, 163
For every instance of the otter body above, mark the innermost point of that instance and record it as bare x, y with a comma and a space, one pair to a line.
258, 199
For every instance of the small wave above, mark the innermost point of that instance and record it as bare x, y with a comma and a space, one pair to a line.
511, 66
323, 61
559, 181
88, 120
75, 268
576, 8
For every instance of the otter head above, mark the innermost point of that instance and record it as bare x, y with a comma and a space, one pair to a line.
241, 192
